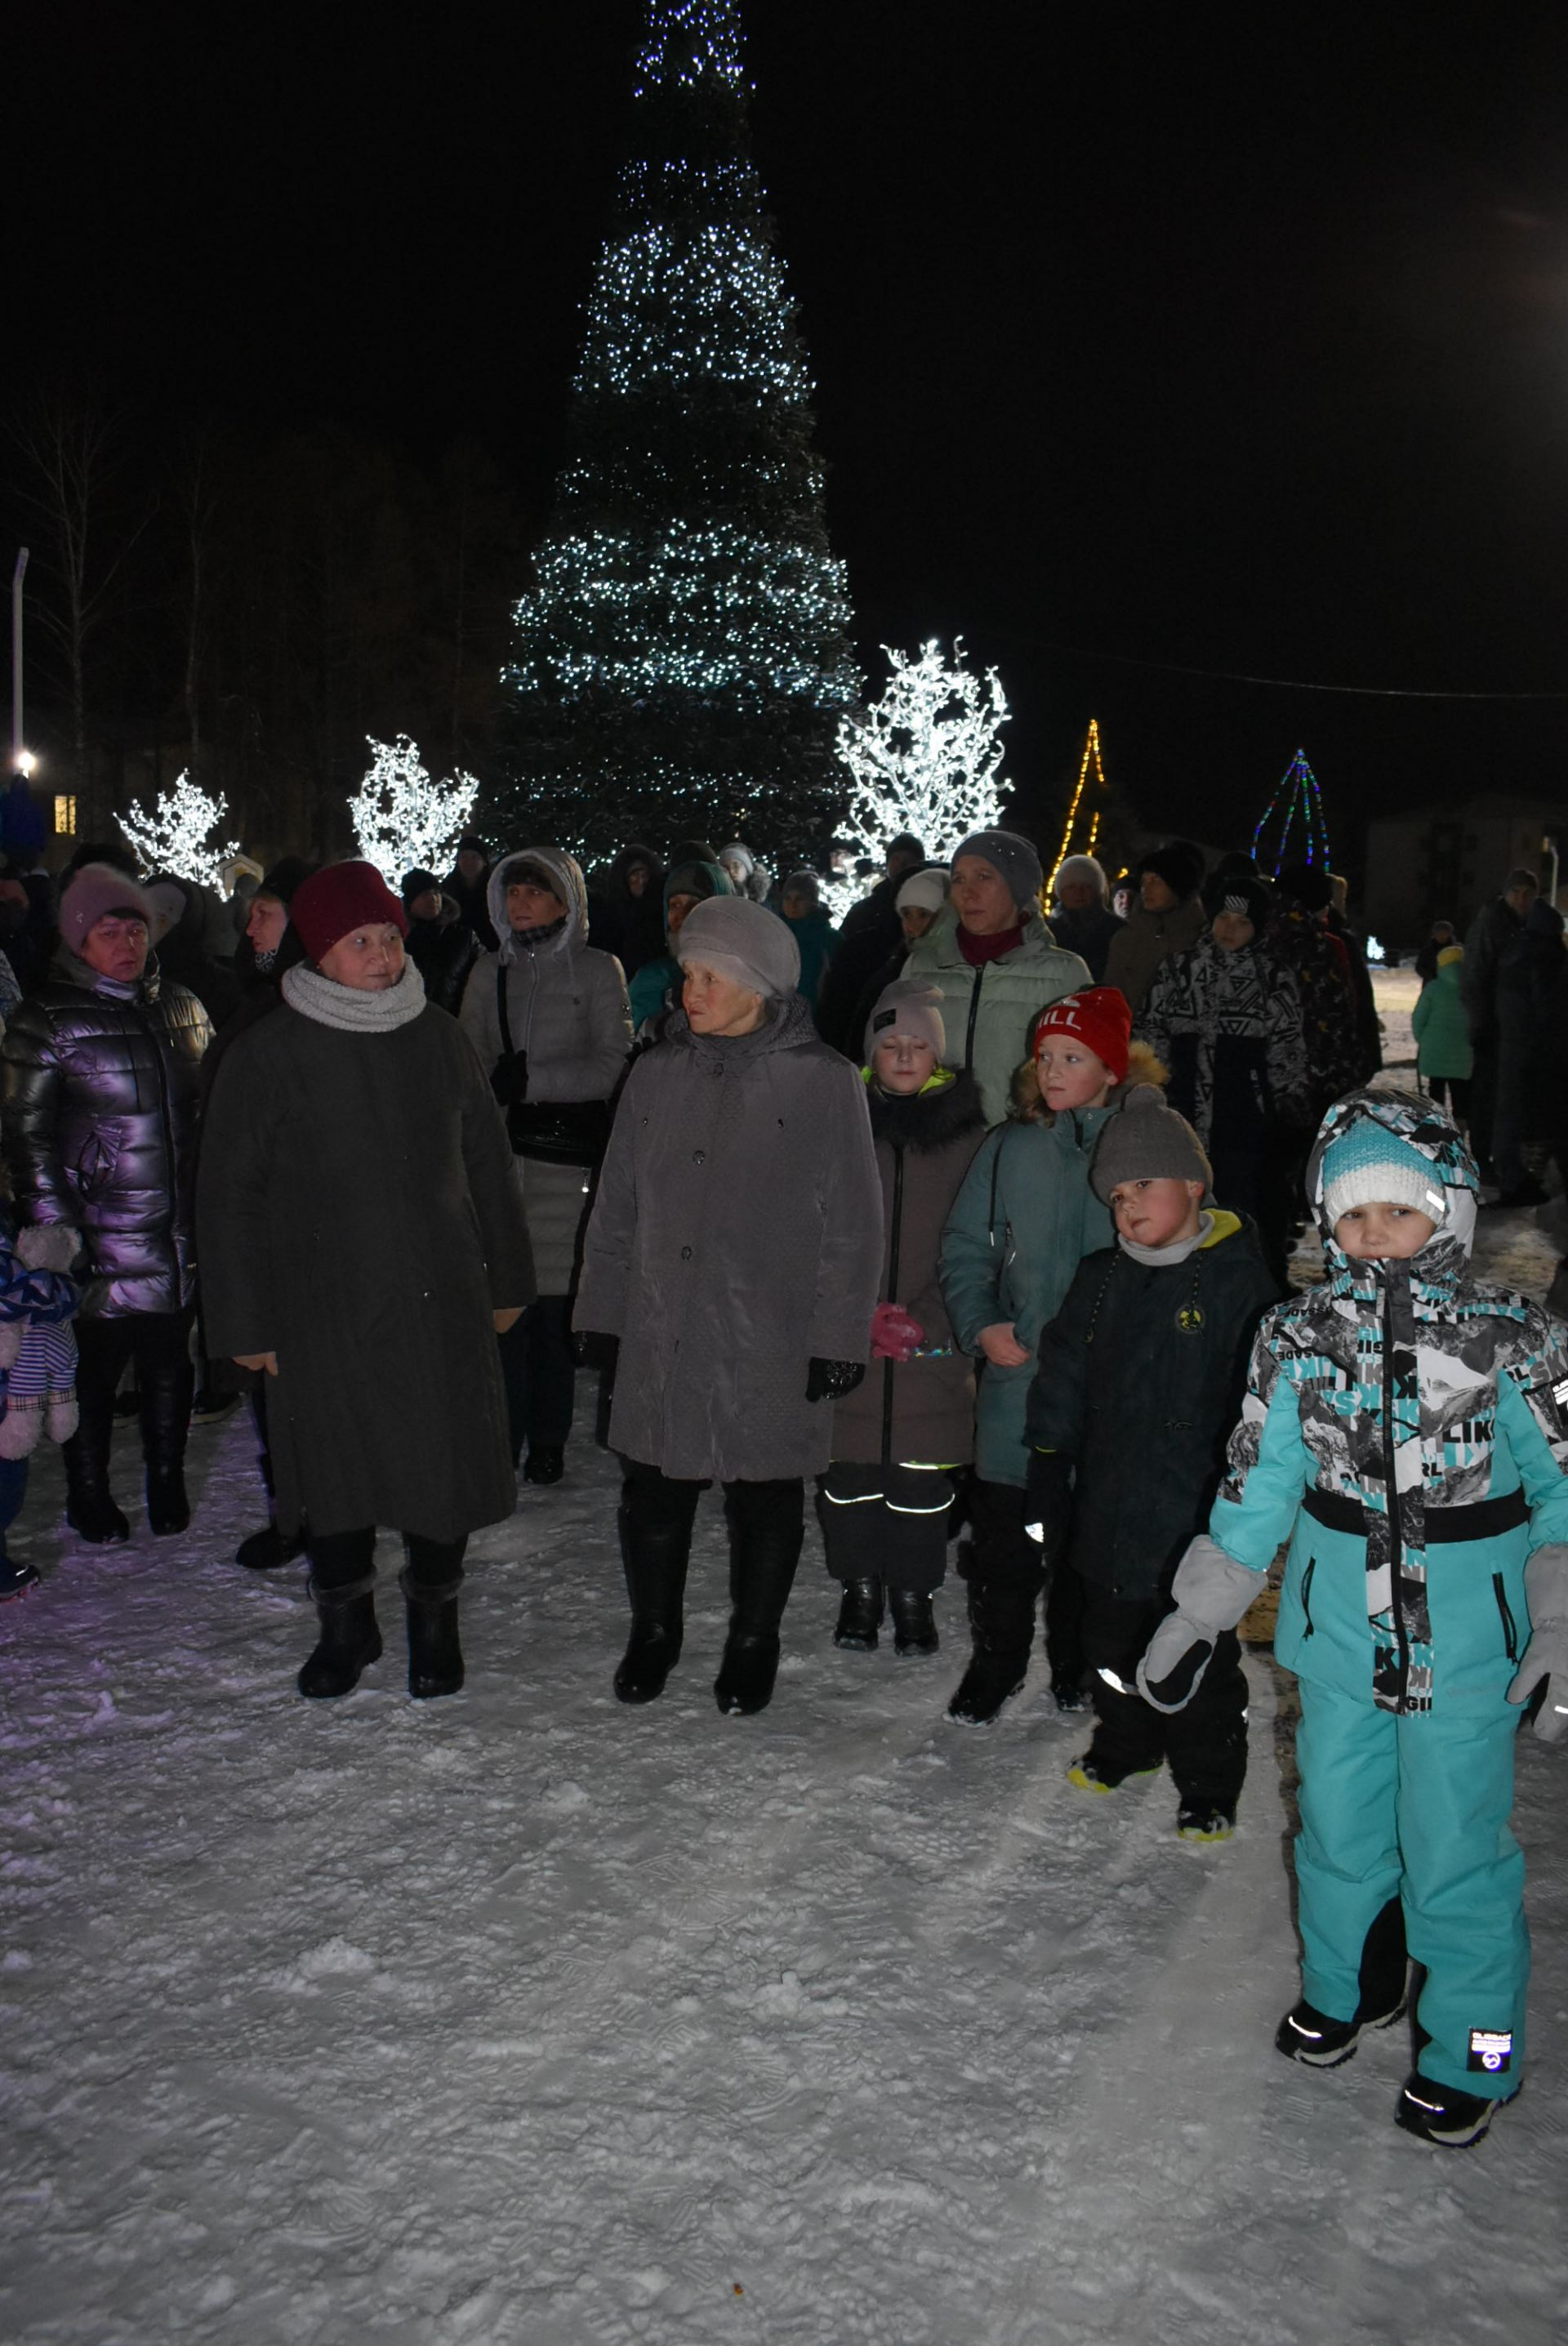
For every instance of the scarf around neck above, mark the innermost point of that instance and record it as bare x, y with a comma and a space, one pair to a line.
348, 1010
976, 950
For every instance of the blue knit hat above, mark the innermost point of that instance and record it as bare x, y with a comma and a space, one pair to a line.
1367, 1165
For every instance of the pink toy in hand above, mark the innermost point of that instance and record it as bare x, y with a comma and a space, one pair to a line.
894, 1334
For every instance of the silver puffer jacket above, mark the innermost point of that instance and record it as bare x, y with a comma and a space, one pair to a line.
98, 1126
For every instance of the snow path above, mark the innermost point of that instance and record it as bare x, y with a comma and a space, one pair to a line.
523, 2017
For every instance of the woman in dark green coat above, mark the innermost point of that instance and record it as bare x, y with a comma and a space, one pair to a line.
362, 1234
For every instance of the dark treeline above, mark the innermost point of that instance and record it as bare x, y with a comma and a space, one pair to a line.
249, 603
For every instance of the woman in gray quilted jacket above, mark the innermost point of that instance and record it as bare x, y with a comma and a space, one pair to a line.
733, 1252
547, 1014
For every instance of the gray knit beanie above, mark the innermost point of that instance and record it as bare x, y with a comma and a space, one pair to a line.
1009, 853
742, 940
910, 1005
1148, 1141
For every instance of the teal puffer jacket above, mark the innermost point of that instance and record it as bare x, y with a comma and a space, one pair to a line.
1023, 1222
1406, 1429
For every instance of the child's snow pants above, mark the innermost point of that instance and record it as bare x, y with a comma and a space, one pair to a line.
1415, 1806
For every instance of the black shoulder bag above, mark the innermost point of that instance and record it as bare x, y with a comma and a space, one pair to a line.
553, 1132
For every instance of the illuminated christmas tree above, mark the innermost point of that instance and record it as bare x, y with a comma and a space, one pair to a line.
683, 661
175, 837
1297, 799
925, 759
1081, 817
403, 820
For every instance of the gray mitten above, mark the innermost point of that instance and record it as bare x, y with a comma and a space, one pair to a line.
1212, 1592
48, 1246
1546, 1654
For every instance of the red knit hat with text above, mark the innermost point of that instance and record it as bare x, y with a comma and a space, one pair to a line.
1101, 1019
340, 897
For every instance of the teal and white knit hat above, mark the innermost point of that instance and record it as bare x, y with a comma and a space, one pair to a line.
1367, 1165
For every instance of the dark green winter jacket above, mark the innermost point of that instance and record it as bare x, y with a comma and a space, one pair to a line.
1141, 1374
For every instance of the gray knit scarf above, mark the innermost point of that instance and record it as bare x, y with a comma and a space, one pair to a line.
348, 1010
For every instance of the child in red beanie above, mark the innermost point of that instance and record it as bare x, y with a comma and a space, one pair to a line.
1023, 1222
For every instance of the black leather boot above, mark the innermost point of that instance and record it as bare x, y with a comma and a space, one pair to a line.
349, 1640
265, 1550
655, 1556
859, 1615
435, 1654
766, 1536
89, 1510
166, 1396
167, 1508
914, 1624
1002, 1621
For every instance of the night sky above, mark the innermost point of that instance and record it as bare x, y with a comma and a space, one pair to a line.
1235, 338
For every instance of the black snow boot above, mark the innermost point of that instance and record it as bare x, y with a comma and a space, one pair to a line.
349, 1639
1314, 2037
859, 1615
1002, 1619
914, 1624
167, 1508
265, 1550
655, 1558
93, 1515
435, 1654
89, 1509
765, 1542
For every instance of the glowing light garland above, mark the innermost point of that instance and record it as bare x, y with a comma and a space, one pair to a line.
682, 661
1300, 797
175, 837
403, 820
925, 759
1091, 758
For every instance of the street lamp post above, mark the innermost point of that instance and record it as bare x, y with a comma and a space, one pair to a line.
16, 578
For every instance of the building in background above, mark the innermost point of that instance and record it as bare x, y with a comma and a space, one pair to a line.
1445, 864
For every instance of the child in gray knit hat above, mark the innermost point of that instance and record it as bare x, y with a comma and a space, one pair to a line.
1139, 1377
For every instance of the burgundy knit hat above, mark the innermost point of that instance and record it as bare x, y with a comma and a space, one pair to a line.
1100, 1019
340, 897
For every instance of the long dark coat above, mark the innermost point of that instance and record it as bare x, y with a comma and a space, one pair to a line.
736, 1235
917, 1413
359, 1216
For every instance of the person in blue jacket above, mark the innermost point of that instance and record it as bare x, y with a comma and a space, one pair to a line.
1020, 1225
1406, 1430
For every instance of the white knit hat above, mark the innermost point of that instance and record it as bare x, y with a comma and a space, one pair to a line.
924, 891
1369, 1165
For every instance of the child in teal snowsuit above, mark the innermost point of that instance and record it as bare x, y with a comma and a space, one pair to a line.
1406, 1429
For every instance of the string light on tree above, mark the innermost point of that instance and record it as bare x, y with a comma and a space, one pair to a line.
177, 836
403, 820
1090, 763
1298, 800
683, 659
925, 759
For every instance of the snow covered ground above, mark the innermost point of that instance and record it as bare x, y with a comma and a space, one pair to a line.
523, 2017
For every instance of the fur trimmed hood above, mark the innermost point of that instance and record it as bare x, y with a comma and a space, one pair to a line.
1143, 1066
928, 1120
567, 878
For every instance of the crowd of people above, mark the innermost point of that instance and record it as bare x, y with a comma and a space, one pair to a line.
974, 1214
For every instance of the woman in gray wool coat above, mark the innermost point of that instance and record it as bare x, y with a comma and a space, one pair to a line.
362, 1239
547, 1014
733, 1251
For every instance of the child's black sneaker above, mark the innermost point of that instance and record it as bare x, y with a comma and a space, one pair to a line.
17, 1578
1308, 2034
1446, 2115
1204, 1822
1068, 1697
1087, 1778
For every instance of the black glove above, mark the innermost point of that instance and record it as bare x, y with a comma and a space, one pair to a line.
832, 1380
593, 1349
1048, 1500
509, 1078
